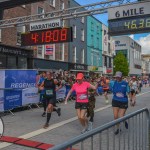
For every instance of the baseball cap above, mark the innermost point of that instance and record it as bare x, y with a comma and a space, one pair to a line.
118, 74
79, 76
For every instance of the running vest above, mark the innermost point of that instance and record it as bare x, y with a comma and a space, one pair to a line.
49, 87
120, 91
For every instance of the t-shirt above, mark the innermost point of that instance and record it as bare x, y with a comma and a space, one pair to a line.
81, 91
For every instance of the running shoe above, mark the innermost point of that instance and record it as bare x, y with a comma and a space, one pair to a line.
90, 126
126, 125
117, 131
46, 126
44, 114
84, 130
59, 111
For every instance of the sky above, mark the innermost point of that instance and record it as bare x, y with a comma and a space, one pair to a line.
142, 39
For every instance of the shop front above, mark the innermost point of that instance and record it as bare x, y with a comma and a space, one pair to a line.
75, 68
15, 57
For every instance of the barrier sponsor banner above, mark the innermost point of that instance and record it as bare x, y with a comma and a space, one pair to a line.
30, 95
13, 99
61, 93
1, 100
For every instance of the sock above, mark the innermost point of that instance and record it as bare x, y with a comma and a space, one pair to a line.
44, 105
48, 117
91, 119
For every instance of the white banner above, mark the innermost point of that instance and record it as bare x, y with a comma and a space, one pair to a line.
30, 95
61, 93
129, 10
48, 24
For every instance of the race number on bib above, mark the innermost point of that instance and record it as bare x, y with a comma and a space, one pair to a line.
49, 92
119, 94
83, 96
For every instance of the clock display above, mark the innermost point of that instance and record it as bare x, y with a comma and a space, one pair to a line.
57, 35
132, 25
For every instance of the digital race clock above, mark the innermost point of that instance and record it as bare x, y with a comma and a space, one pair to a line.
138, 24
55, 35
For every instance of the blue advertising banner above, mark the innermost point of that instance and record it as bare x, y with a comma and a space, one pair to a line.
17, 80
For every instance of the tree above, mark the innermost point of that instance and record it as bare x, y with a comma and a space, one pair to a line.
121, 64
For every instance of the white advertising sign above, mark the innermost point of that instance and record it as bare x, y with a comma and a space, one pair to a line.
129, 10
48, 24
30, 96
61, 93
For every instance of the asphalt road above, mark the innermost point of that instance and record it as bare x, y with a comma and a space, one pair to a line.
28, 124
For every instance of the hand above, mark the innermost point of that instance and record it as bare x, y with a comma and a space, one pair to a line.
132, 103
65, 102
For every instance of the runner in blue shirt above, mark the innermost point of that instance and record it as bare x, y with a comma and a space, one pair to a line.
120, 90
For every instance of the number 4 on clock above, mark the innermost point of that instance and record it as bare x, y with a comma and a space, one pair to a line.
34, 37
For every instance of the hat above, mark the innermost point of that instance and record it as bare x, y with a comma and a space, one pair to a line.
118, 74
79, 76
133, 77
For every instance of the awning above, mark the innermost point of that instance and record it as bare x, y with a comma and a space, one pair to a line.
79, 70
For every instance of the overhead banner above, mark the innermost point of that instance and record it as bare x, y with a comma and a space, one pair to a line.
129, 10
30, 96
48, 24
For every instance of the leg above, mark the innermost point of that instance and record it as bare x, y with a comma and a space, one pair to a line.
79, 117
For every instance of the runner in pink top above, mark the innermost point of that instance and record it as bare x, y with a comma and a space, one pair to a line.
81, 105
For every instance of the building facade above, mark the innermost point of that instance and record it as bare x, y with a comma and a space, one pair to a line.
77, 49
107, 51
146, 64
132, 51
94, 44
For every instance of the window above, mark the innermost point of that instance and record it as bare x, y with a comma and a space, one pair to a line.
82, 34
92, 40
40, 49
20, 30
3, 61
62, 6
61, 52
110, 62
105, 61
82, 19
0, 35
109, 48
82, 56
97, 42
74, 55
22, 63
74, 31
11, 62
92, 26
41, 11
52, 3
92, 59
97, 29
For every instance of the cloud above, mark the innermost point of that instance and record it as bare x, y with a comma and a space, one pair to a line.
145, 44
131, 36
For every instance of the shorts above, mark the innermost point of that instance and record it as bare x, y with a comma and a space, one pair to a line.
51, 100
106, 90
81, 105
122, 105
132, 91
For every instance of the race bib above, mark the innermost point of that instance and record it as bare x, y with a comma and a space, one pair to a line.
83, 96
119, 94
49, 92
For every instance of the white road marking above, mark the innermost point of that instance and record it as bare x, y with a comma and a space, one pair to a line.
40, 131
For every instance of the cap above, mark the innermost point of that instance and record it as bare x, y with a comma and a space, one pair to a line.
133, 77
118, 74
79, 76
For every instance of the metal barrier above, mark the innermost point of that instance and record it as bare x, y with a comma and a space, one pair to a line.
136, 137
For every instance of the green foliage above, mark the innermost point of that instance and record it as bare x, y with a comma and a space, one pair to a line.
121, 64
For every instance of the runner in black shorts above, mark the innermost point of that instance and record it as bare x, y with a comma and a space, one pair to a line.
49, 85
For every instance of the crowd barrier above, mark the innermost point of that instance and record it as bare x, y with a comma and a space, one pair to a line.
136, 137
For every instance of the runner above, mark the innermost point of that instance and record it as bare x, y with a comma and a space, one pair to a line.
120, 90
81, 88
49, 84
105, 86
42, 92
133, 88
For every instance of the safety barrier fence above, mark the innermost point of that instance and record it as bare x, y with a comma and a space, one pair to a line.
135, 136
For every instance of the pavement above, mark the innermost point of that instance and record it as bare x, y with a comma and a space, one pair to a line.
28, 124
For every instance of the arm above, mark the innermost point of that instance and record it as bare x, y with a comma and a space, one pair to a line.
41, 87
68, 95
